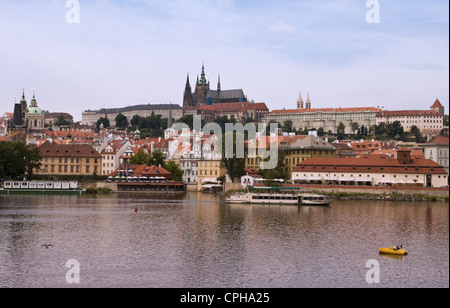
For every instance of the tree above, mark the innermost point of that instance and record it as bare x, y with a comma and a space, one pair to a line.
62, 121
395, 129
233, 164
156, 159
140, 158
341, 131
354, 126
32, 157
104, 121
16, 159
224, 120
287, 126
321, 132
121, 121
177, 173
381, 128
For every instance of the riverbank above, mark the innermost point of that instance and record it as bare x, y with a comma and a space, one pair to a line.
409, 194
383, 193
336, 192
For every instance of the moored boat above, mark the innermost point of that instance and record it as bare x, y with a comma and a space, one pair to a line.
41, 188
278, 195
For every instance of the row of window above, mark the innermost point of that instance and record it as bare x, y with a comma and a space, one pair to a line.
211, 172
65, 160
68, 169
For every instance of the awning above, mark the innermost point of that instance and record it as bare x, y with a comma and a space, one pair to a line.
314, 178
345, 179
300, 178
327, 178
209, 180
364, 180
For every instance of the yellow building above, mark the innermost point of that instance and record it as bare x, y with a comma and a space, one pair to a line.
208, 171
297, 150
292, 150
70, 159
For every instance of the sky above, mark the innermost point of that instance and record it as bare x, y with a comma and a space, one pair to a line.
131, 52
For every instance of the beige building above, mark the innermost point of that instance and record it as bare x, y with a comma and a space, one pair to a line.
111, 155
91, 117
329, 118
69, 159
427, 121
437, 150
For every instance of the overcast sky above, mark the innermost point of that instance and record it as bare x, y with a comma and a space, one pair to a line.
140, 51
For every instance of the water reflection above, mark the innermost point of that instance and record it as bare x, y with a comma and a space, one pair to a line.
199, 241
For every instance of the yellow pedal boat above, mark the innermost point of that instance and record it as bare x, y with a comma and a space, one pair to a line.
392, 251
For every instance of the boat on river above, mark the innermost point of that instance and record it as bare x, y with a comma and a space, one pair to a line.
393, 251
279, 195
41, 188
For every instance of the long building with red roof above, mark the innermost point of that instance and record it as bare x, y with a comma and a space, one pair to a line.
326, 118
373, 170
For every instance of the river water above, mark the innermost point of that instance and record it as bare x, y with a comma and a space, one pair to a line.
198, 241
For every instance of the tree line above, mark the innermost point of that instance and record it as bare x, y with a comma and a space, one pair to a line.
18, 160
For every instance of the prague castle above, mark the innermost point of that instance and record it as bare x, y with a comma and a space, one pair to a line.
204, 95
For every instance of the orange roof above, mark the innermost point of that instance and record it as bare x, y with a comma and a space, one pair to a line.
49, 149
148, 171
437, 104
369, 164
439, 140
232, 107
400, 113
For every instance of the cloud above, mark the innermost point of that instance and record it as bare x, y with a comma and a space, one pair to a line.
283, 27
139, 51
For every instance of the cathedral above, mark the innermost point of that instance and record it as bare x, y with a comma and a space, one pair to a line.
26, 120
204, 95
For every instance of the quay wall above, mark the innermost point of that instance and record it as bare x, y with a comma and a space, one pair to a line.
333, 190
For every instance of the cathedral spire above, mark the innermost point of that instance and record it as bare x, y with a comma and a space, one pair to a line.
187, 99
203, 76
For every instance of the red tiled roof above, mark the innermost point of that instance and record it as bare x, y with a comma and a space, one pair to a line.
437, 104
399, 113
241, 106
439, 140
148, 171
49, 149
336, 110
370, 163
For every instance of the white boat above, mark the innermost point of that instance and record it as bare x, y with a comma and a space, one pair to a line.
278, 195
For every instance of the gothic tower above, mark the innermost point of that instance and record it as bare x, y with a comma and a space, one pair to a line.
201, 89
187, 99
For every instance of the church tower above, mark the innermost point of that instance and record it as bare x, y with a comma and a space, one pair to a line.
437, 106
187, 99
308, 103
300, 103
201, 89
